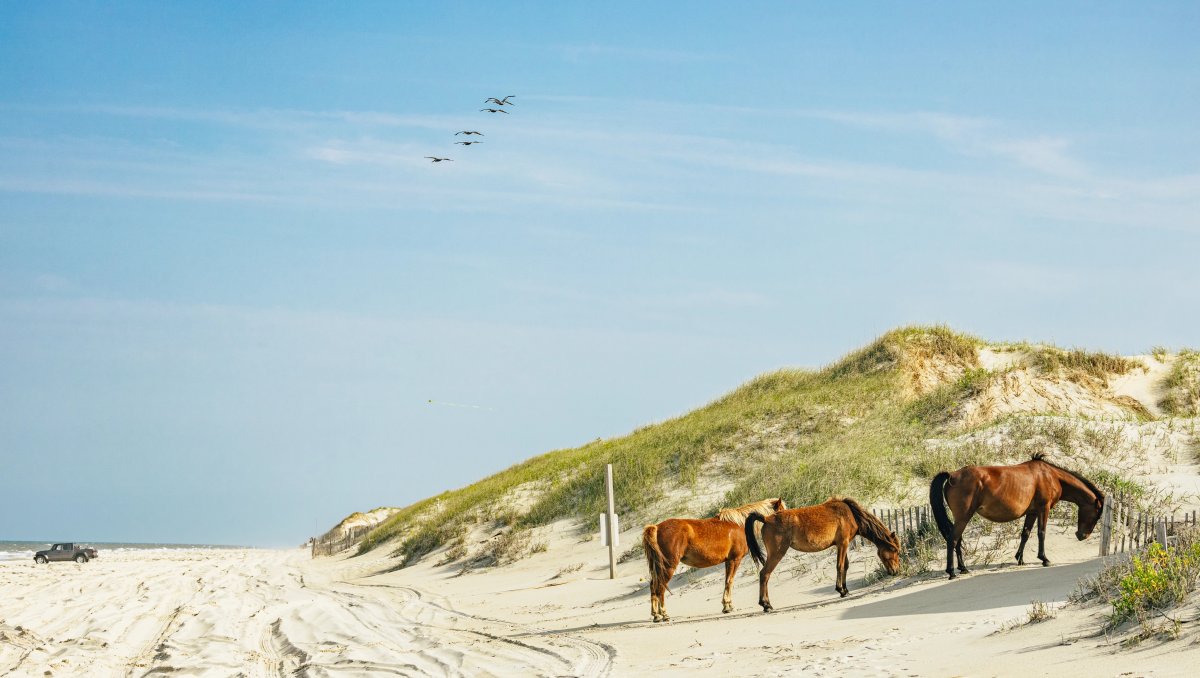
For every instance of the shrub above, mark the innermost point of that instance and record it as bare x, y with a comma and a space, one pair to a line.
1143, 585
1157, 581
1039, 612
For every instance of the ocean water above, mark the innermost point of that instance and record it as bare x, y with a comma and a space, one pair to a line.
24, 550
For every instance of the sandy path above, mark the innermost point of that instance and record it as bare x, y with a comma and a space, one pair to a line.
926, 627
253, 613
271, 613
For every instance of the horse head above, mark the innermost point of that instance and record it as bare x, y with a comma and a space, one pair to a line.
1089, 515
889, 553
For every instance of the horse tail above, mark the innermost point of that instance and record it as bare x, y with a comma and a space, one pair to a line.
654, 555
937, 501
751, 540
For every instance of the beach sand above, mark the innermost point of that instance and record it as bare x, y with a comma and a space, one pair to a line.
267, 613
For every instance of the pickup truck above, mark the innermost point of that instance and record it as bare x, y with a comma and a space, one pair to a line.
68, 551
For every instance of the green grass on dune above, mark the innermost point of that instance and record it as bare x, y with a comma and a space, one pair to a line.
1182, 386
1078, 364
853, 428
850, 420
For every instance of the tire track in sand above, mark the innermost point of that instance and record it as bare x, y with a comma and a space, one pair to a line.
573, 655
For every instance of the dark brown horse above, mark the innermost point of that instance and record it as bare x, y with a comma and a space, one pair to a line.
1005, 493
698, 543
816, 528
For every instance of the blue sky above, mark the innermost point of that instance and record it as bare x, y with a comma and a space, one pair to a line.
230, 283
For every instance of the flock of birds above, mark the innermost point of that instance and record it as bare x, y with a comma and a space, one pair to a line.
490, 100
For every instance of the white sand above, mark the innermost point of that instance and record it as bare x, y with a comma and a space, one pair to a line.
255, 613
261, 613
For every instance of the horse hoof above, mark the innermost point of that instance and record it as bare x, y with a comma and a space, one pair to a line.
1045, 563
845, 593
727, 610
963, 570
952, 575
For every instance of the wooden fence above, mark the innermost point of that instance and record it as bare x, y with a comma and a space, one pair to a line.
901, 521
329, 544
1125, 528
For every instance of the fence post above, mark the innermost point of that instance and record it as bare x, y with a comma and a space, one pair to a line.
1160, 531
1124, 522
1105, 528
612, 535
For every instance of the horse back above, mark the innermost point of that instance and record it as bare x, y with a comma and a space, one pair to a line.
813, 528
701, 542
1002, 493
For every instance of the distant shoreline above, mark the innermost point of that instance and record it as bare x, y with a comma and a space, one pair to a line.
20, 550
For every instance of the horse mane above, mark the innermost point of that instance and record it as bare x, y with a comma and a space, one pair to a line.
1041, 456
738, 515
869, 526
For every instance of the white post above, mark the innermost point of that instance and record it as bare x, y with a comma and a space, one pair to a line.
612, 523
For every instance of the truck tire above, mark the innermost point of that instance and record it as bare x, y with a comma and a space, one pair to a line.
81, 558
40, 560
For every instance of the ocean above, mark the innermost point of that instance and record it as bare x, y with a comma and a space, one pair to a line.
24, 550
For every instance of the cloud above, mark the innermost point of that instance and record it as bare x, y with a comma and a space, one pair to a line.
582, 52
972, 136
619, 156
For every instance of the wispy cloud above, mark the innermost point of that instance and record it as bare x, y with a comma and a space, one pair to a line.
580, 52
625, 155
972, 135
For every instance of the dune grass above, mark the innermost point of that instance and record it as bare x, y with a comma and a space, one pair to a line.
852, 428
1181, 388
849, 419
1079, 365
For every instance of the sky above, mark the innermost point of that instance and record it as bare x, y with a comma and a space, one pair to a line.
237, 303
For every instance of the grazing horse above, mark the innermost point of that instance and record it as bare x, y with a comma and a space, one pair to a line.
1005, 493
816, 528
698, 543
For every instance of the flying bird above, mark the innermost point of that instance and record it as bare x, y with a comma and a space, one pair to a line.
467, 143
445, 404
494, 110
500, 102
468, 132
439, 159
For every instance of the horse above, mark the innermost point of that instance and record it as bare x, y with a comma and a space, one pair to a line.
698, 543
1004, 493
816, 528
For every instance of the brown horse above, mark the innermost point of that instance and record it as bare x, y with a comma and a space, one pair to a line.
1005, 493
816, 528
698, 543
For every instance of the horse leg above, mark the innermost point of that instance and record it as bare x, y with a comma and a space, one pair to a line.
773, 558
662, 590
731, 567
1042, 518
1029, 518
843, 564
950, 556
960, 526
